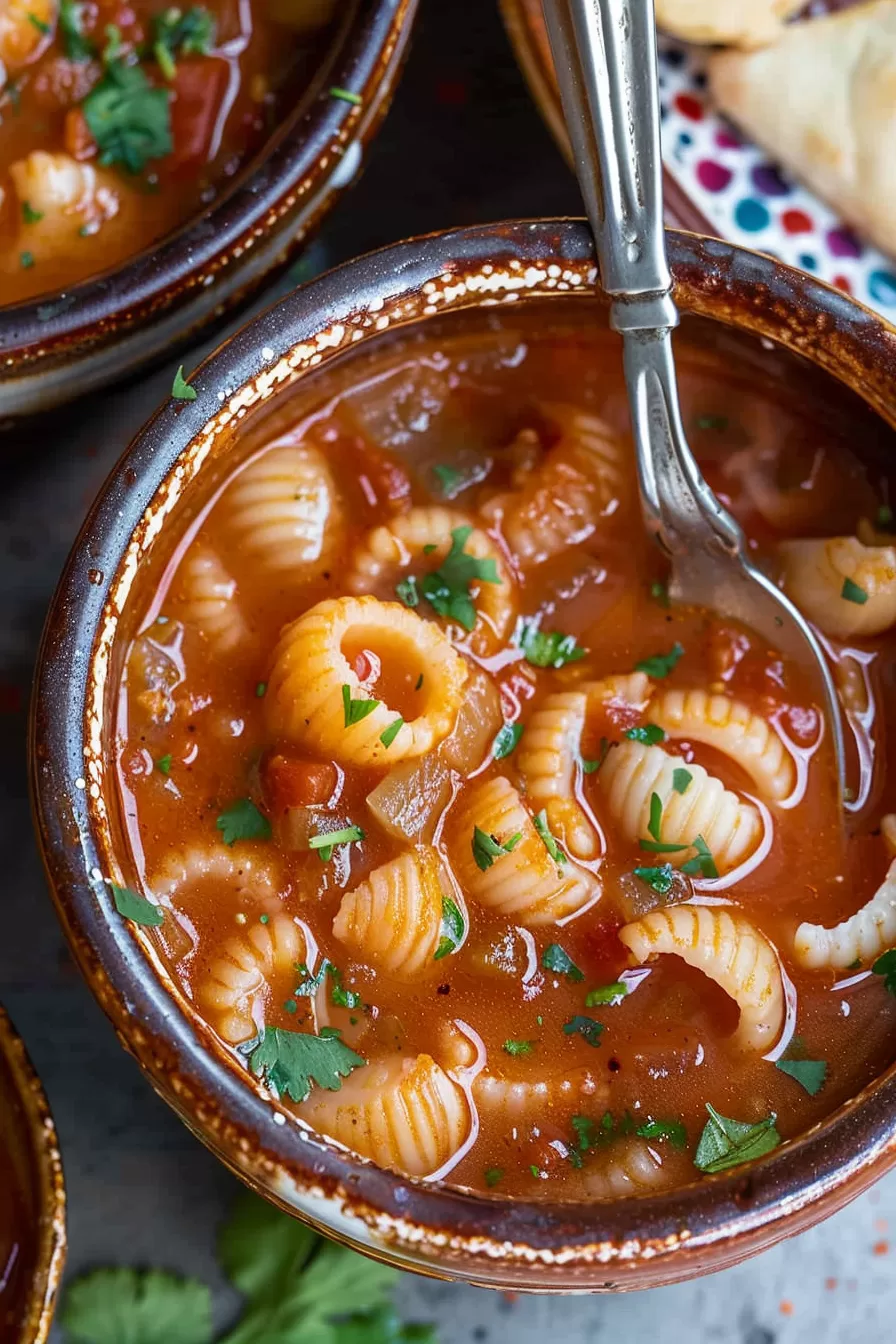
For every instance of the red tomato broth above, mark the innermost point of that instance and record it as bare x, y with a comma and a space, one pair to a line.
666, 1048
226, 93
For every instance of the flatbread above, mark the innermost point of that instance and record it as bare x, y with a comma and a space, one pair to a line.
740, 23
822, 100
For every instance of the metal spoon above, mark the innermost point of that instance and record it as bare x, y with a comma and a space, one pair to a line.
605, 56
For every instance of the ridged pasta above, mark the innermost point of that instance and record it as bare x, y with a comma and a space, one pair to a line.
239, 979
580, 479
390, 550
404, 1114
728, 949
862, 937
729, 726
629, 1167
246, 875
282, 511
633, 772
393, 919
848, 590
208, 600
526, 884
550, 752
304, 699
512, 1103
25, 25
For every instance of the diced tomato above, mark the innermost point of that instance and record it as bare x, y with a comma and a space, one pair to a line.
199, 89
76, 135
290, 781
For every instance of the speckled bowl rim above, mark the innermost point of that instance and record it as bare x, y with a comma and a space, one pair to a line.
294, 166
486, 1240
46, 1163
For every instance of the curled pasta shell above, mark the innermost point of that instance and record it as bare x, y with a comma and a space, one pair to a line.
404, 1114
581, 478
550, 753
729, 726
245, 875
848, 590
390, 550
304, 696
633, 772
512, 1103
281, 510
393, 919
862, 937
239, 979
525, 885
728, 949
630, 1167
208, 600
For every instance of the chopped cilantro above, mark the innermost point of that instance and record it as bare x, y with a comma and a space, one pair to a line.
486, 848
448, 477
586, 1027
549, 649
555, 959
42, 28
310, 984
327, 841
851, 592
540, 822
30, 215
114, 45
589, 767
388, 735
727, 1143
243, 821
128, 118
26, 260
673, 1130
809, 1073
506, 740
163, 764
886, 966
260, 689
661, 847
346, 96
181, 33
661, 664
290, 1061
339, 995
353, 711
658, 879
703, 862
536, 1171
493, 1175
407, 593
656, 816
511, 1047
606, 994
447, 589
660, 593
681, 780
584, 1128
181, 389
452, 930
136, 908
648, 733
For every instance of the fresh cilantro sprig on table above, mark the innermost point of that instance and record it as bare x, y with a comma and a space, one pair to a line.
297, 1288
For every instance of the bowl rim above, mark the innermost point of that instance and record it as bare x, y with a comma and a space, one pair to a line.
480, 1238
292, 166
46, 1162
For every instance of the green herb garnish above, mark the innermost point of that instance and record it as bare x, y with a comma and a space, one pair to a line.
128, 118
388, 735
556, 959
673, 1130
346, 96
486, 848
243, 821
326, 842
606, 994
163, 764
586, 1027
661, 664
703, 862
540, 822
30, 215
493, 1175
648, 733
353, 711
681, 780
511, 1047
452, 930
809, 1073
886, 967
181, 389
851, 592
506, 740
549, 649
448, 477
406, 591
658, 879
656, 816
589, 767
727, 1143
447, 589
136, 908
290, 1061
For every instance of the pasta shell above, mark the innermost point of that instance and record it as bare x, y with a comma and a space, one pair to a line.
389, 551
282, 511
580, 478
404, 1114
633, 772
239, 979
630, 1167
848, 590
862, 937
242, 874
519, 1103
550, 754
208, 600
393, 919
728, 949
304, 699
729, 726
525, 885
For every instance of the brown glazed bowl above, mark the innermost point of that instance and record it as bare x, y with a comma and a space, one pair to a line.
766, 312
32, 1195
55, 348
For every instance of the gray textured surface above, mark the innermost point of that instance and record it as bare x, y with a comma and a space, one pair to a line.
462, 144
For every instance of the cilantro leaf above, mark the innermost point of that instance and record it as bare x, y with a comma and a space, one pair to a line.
381, 1326
589, 767
606, 994
673, 1130
342, 997
136, 908
77, 47
310, 984
511, 1047
851, 592
681, 780
406, 591
886, 966
661, 847
189, 32
180, 388
586, 1027
660, 593
540, 822
388, 735
648, 733
656, 816
452, 930
703, 862
809, 1073
447, 476
486, 848
447, 589
355, 711
549, 650
163, 764
493, 1176
554, 958
661, 664
659, 879
327, 841
243, 821
727, 1143
290, 1061
506, 740
128, 118
127, 1306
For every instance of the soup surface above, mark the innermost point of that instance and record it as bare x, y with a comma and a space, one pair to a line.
491, 860
118, 122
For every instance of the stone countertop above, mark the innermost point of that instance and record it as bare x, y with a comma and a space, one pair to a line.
462, 144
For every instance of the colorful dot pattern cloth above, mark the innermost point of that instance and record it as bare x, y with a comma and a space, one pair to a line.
749, 199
